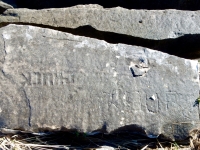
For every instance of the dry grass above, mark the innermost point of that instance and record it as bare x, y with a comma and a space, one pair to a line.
195, 139
74, 140
13, 144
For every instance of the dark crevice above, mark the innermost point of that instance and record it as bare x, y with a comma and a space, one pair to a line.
2, 10
186, 46
129, 4
29, 107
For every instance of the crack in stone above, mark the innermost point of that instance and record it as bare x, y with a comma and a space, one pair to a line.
29, 106
186, 46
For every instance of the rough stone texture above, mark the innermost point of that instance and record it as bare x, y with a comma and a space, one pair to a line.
147, 24
172, 31
54, 79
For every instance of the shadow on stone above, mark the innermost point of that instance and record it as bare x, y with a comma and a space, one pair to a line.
134, 129
196, 103
2, 123
131, 129
186, 46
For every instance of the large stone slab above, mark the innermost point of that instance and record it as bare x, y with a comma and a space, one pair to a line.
172, 31
51, 79
147, 24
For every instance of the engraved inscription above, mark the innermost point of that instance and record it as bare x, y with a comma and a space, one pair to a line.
37, 79
129, 101
46, 79
63, 79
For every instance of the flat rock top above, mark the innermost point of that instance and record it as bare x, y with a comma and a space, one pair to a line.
147, 24
54, 79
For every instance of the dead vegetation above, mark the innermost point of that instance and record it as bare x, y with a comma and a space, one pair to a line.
57, 140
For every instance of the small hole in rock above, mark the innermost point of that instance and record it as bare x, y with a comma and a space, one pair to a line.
140, 21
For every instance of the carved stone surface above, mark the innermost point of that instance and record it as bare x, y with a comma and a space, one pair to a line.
54, 79
147, 24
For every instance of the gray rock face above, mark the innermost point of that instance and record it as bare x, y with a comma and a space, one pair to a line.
147, 24
172, 31
54, 79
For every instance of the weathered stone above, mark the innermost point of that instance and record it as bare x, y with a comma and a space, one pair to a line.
172, 31
147, 24
54, 79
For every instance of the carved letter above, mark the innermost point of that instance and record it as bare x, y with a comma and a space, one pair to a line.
47, 79
27, 79
67, 79
36, 78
